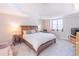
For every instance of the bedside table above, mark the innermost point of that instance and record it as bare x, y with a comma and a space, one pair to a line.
17, 39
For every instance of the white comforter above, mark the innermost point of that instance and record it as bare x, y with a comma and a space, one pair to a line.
36, 39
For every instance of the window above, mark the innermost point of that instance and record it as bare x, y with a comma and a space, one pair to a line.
56, 25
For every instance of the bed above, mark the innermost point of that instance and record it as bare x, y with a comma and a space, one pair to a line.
37, 41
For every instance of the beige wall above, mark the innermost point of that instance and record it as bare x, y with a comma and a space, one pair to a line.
5, 25
45, 24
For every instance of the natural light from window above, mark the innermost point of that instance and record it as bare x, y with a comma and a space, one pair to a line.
56, 25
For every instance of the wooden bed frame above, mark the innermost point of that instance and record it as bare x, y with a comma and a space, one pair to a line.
42, 46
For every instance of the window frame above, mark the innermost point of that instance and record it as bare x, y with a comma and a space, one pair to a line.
57, 24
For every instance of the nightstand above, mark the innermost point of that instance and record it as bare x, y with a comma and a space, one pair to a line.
17, 39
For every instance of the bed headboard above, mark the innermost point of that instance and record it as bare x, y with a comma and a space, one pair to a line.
26, 27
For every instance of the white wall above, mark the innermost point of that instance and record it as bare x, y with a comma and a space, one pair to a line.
31, 21
4, 29
71, 21
5, 25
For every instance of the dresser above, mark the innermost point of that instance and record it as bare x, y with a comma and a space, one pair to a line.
72, 39
75, 41
77, 44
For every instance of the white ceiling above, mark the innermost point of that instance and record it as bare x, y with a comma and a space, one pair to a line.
56, 10
38, 10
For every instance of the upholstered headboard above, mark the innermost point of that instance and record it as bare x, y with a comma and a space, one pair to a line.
26, 27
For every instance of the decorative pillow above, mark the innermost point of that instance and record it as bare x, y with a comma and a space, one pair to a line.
33, 31
29, 31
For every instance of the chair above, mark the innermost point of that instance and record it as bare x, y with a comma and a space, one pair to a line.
5, 49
